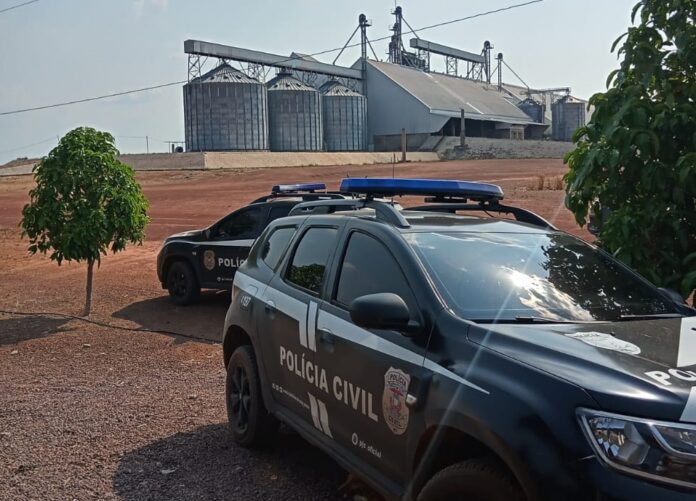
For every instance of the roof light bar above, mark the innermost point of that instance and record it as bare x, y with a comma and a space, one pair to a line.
438, 188
292, 188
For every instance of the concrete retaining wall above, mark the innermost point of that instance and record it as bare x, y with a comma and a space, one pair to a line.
482, 147
247, 160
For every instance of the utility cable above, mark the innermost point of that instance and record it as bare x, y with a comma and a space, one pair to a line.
29, 145
133, 91
105, 324
115, 94
18, 6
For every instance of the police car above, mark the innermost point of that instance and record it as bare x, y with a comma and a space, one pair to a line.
440, 353
208, 258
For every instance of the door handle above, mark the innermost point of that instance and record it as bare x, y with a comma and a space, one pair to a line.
269, 307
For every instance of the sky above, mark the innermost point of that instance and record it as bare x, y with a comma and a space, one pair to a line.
53, 51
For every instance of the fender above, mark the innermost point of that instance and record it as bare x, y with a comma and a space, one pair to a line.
173, 251
454, 420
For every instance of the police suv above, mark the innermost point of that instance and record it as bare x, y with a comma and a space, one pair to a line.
441, 354
208, 258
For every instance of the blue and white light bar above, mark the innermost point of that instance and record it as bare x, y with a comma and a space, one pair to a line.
387, 187
293, 188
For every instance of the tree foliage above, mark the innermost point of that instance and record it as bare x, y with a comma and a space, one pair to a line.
637, 155
85, 203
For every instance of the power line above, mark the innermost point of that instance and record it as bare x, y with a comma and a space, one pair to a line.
18, 6
133, 91
28, 145
96, 98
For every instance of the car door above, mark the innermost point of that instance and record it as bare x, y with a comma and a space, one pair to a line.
287, 329
372, 372
229, 245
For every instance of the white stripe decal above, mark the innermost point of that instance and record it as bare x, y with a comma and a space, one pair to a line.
220, 243
312, 326
687, 342
346, 330
324, 418
314, 411
689, 413
355, 334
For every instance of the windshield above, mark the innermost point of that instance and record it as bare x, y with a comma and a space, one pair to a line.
504, 276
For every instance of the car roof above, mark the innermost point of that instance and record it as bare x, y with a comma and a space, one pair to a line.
426, 222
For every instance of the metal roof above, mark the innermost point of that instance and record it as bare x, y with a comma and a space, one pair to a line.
336, 88
447, 95
225, 74
285, 81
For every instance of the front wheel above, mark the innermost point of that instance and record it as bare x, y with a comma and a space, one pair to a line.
182, 283
249, 421
473, 480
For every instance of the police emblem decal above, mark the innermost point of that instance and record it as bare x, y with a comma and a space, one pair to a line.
209, 260
394, 408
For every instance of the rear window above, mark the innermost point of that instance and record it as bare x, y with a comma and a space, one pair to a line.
308, 265
275, 245
502, 276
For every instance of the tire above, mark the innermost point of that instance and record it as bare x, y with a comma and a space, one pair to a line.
473, 480
250, 423
182, 283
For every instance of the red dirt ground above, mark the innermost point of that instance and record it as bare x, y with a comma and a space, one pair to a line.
88, 411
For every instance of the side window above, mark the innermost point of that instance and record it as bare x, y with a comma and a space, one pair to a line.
311, 257
278, 211
275, 245
241, 225
369, 268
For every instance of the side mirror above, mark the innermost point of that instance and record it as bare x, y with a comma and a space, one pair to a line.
382, 311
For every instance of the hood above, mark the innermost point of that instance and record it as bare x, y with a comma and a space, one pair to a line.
190, 235
643, 368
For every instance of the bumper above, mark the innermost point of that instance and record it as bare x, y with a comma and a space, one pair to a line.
612, 485
160, 263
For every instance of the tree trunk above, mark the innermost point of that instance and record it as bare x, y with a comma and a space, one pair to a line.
88, 296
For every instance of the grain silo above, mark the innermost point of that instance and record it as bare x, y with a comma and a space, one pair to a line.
225, 109
566, 116
533, 109
345, 113
294, 115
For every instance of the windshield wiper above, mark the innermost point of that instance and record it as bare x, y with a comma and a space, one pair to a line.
541, 320
649, 316
524, 320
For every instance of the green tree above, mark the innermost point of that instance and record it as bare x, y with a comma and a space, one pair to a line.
85, 203
634, 165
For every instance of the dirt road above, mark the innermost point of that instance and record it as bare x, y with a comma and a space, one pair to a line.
95, 412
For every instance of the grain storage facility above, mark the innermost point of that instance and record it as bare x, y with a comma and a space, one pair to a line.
345, 113
311, 105
294, 115
567, 115
225, 109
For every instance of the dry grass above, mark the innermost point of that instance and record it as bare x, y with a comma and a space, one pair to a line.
551, 183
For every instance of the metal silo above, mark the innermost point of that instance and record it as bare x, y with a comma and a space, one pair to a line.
566, 116
533, 109
294, 115
345, 114
225, 109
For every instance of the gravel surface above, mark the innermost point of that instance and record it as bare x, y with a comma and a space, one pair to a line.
89, 412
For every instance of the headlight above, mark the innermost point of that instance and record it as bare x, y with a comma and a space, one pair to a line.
665, 452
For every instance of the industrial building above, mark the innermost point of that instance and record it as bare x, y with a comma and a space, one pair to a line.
296, 103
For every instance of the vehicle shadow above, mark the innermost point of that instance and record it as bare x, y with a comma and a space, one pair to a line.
17, 329
204, 319
206, 464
